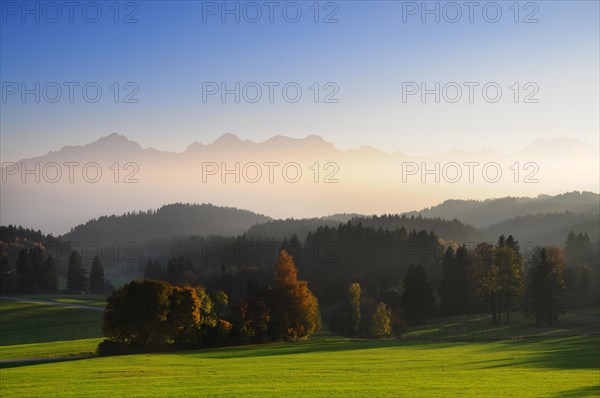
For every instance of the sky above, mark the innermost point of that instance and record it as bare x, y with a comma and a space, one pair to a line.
156, 63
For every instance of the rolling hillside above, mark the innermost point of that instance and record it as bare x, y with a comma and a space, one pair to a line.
169, 221
483, 213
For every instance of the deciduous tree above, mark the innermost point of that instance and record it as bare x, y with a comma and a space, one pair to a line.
509, 265
295, 310
354, 293
381, 323
138, 314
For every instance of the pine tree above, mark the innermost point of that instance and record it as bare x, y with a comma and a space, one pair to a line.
153, 271
97, 282
76, 278
545, 285
25, 273
49, 281
36, 256
6, 277
417, 299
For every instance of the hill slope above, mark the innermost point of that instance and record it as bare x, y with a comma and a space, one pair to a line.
169, 221
545, 228
483, 213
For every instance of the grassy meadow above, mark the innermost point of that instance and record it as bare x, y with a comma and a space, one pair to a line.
444, 359
28, 322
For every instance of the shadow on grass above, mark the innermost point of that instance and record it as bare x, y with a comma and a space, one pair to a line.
579, 352
590, 391
286, 348
283, 348
576, 352
18, 363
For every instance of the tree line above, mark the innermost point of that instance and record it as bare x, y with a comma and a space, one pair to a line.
403, 276
489, 277
155, 315
36, 273
392, 264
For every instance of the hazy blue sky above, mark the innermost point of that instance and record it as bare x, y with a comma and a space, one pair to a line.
170, 51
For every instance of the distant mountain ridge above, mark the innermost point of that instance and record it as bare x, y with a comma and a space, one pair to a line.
545, 228
115, 142
361, 181
483, 213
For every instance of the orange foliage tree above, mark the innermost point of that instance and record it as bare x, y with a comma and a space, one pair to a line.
295, 310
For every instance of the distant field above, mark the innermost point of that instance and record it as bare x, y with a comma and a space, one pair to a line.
90, 299
561, 367
23, 322
118, 275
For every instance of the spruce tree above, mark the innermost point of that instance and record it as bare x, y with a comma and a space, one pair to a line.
97, 282
76, 278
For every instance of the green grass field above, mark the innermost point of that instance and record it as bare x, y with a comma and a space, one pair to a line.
54, 349
23, 322
562, 367
444, 358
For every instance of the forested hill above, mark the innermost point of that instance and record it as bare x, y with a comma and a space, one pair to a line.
483, 213
545, 228
284, 229
454, 230
167, 222
14, 234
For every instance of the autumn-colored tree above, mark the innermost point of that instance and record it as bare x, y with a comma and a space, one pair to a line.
487, 277
381, 323
251, 318
354, 293
509, 266
220, 302
207, 310
295, 310
545, 284
138, 314
184, 315
154, 314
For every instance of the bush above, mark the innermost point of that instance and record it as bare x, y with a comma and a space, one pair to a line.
109, 347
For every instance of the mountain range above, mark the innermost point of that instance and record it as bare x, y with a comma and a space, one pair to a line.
288, 177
